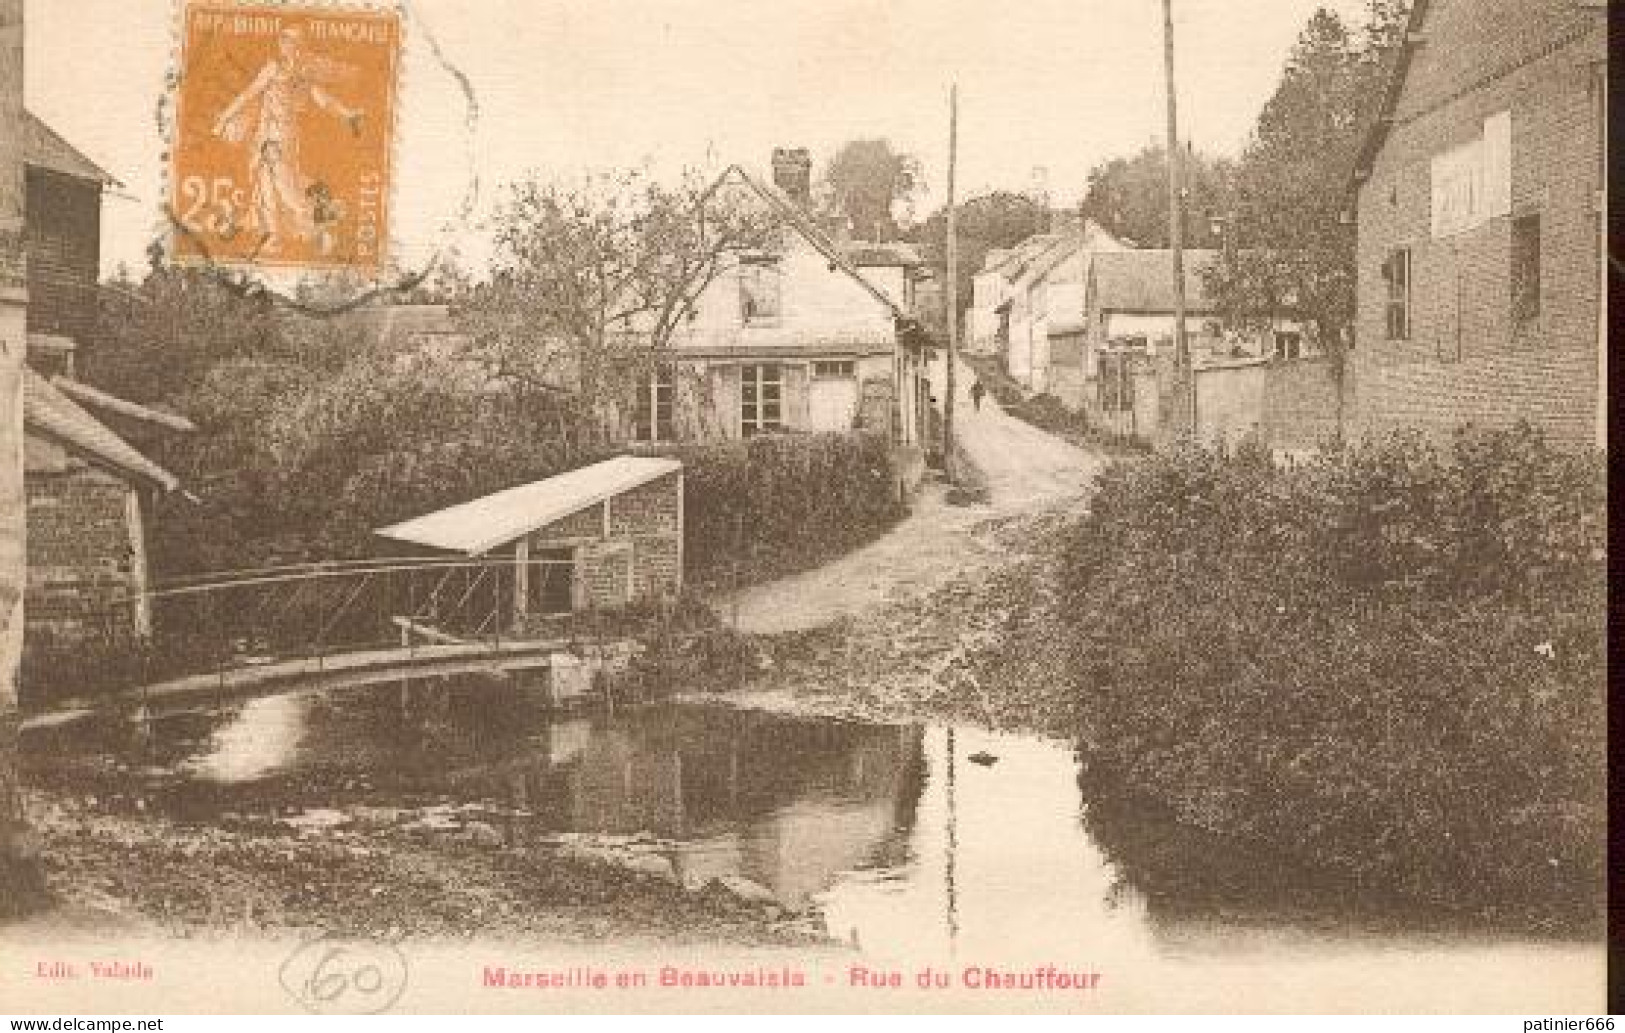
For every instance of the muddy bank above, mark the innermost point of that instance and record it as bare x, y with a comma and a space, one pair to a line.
980, 650
427, 874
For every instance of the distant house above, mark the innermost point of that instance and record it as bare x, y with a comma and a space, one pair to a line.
988, 318
1049, 288
1261, 379
1480, 212
598, 537
815, 334
87, 487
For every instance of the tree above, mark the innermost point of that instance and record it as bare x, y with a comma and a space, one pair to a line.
592, 277
1129, 196
998, 220
157, 340
866, 182
395, 434
1292, 252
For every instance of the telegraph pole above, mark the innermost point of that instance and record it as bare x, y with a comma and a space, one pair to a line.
1176, 214
951, 295
16, 866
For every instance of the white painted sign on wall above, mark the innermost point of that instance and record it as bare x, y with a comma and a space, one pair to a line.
1472, 183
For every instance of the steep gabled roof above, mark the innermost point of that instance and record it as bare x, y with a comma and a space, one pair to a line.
1378, 131
1092, 237
1043, 260
797, 220
49, 412
1015, 260
44, 147
1143, 281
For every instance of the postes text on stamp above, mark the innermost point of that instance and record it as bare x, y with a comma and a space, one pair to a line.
282, 148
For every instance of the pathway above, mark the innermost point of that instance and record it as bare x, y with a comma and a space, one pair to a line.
1027, 471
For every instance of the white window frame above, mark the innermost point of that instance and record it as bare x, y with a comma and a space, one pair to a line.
652, 384
754, 275
757, 381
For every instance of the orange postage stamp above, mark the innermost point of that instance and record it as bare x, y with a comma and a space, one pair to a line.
283, 135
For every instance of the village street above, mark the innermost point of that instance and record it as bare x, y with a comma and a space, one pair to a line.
1026, 471
918, 624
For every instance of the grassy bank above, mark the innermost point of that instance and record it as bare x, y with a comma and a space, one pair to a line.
1388, 664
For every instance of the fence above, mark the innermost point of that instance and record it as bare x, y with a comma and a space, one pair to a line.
213, 623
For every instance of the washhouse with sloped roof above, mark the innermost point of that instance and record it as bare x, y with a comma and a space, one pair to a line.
596, 538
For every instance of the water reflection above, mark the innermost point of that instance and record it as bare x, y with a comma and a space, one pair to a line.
263, 738
906, 846
785, 803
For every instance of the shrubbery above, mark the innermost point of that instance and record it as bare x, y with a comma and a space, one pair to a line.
1389, 662
782, 501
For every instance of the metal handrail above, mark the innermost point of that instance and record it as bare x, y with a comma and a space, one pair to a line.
311, 575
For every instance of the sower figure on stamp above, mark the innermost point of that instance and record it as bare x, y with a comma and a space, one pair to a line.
976, 393
282, 197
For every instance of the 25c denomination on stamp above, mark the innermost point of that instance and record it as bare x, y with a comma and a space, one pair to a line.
283, 135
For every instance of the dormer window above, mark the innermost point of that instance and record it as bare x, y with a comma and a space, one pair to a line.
759, 291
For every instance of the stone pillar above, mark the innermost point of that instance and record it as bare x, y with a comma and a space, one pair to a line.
17, 871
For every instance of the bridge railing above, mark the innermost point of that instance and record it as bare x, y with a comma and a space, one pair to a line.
223, 620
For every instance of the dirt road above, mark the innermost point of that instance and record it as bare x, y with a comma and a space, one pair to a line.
1027, 472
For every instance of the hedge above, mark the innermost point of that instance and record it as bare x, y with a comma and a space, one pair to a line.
1388, 664
765, 505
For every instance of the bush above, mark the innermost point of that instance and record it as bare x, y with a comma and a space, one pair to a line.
782, 501
1389, 662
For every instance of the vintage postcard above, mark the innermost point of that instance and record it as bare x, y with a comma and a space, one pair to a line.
889, 506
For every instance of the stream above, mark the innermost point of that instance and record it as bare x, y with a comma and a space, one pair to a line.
910, 841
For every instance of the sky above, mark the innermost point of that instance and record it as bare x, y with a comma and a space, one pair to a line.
566, 86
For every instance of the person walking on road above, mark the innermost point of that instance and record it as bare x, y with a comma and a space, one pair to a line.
976, 393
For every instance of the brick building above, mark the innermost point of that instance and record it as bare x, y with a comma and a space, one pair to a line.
1480, 201
86, 486
87, 564
598, 537
63, 236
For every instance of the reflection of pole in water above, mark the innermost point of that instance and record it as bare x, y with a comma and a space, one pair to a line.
953, 849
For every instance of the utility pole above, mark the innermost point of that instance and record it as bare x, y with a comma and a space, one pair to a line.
1176, 215
17, 870
951, 295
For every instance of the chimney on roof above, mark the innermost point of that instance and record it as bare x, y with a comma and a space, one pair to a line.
792, 173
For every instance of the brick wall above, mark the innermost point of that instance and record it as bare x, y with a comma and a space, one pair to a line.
1466, 359
604, 573
656, 567
586, 523
642, 556
649, 509
79, 552
1301, 408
